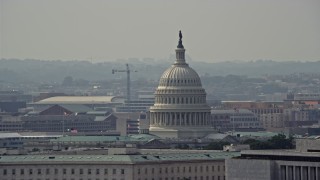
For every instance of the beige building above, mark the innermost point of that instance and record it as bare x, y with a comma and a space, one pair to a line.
176, 166
240, 119
180, 109
272, 121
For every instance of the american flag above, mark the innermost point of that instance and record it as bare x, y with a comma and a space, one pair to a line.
73, 130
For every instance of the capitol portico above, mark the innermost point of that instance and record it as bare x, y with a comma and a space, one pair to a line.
180, 109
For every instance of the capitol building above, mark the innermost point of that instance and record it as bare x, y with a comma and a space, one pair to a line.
180, 109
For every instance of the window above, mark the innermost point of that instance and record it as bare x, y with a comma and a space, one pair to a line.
212, 168
152, 170
97, 171
30, 171
122, 171
56, 171
146, 170
13, 171
105, 171
89, 171
72, 171
47, 171
218, 170
64, 171
114, 171
81, 171
21, 171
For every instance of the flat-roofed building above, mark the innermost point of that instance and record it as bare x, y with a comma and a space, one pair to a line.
274, 121
300, 164
256, 107
89, 101
226, 120
177, 166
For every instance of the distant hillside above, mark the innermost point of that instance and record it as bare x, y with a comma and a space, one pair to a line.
14, 70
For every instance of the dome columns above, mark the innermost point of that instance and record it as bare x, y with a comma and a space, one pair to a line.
180, 56
182, 119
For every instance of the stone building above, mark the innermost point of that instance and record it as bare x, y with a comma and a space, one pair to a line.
174, 166
303, 163
274, 121
240, 119
180, 109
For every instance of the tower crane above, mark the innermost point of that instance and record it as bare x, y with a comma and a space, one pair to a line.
127, 70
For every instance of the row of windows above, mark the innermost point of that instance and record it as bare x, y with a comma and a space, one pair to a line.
182, 169
164, 82
69, 179
181, 100
190, 178
62, 171
180, 91
244, 119
172, 178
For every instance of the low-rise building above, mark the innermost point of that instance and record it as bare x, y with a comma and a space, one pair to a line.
174, 166
300, 164
227, 120
273, 121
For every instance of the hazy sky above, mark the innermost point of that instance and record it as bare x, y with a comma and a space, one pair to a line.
215, 30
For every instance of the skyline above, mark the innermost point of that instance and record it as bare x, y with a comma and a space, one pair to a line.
213, 31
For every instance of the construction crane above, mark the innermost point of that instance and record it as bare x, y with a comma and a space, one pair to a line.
127, 70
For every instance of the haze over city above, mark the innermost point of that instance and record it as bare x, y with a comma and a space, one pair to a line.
214, 31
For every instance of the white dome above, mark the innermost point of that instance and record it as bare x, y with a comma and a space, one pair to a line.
180, 75
180, 100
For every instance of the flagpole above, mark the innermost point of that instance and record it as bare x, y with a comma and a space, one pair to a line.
63, 125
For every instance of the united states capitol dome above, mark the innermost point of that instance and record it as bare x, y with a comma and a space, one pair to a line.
180, 99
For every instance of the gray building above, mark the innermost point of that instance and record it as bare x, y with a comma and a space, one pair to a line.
174, 166
300, 164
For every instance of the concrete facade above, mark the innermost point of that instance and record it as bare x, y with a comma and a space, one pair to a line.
300, 164
198, 166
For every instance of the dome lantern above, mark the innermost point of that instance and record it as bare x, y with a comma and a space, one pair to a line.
180, 51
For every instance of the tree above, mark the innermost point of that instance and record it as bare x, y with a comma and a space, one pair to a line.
216, 145
279, 141
67, 81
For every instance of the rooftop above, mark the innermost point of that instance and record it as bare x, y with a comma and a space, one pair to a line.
77, 100
133, 138
107, 159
